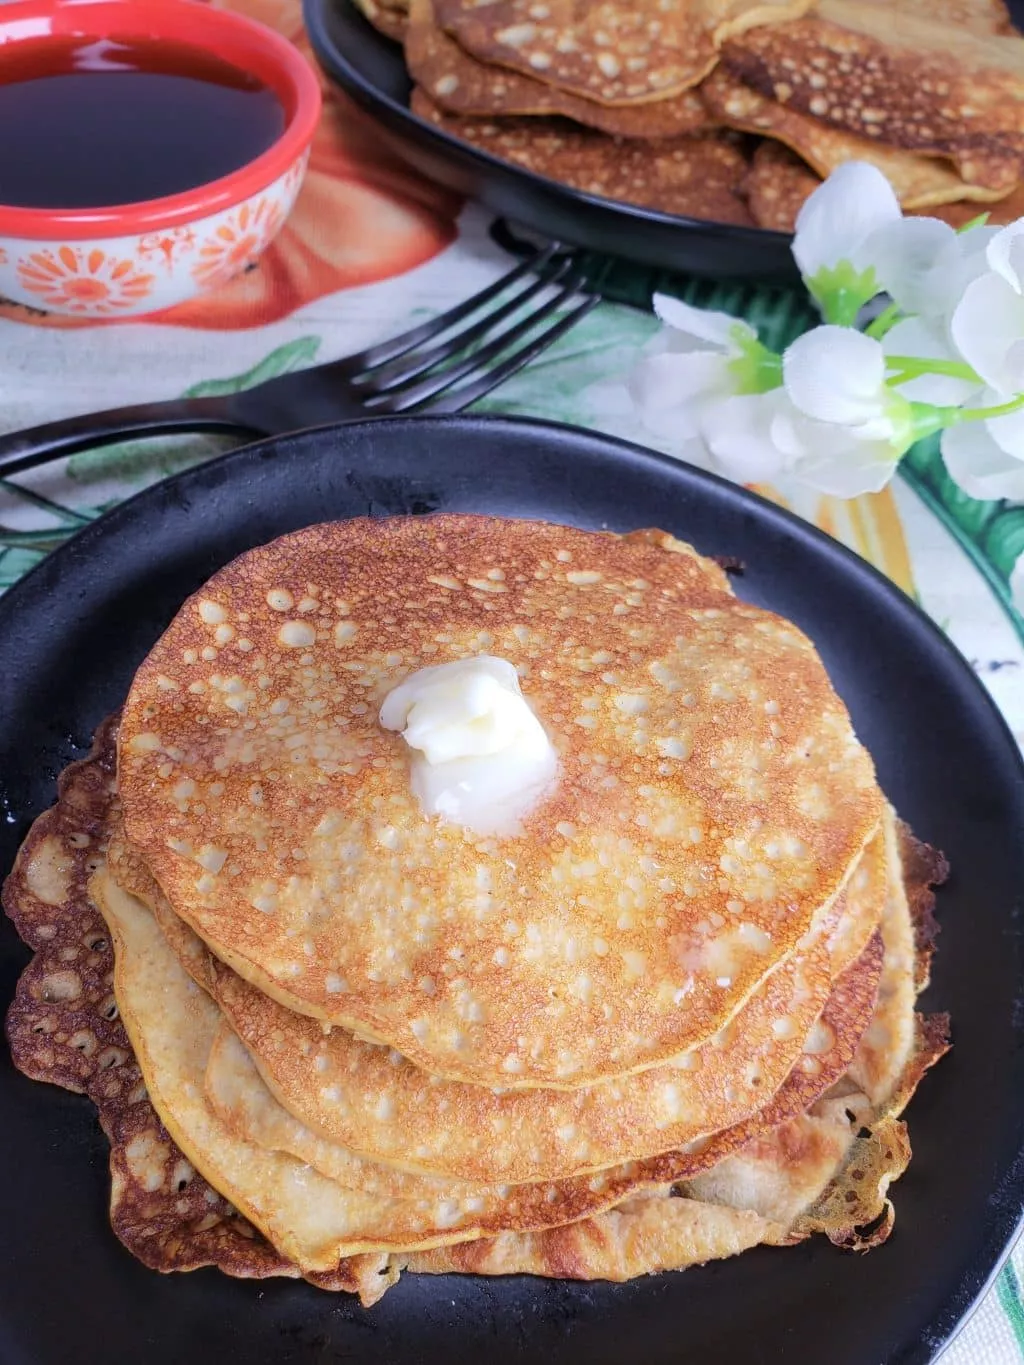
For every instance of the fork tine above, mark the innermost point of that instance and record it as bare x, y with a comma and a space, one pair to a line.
401, 399
457, 399
395, 346
386, 378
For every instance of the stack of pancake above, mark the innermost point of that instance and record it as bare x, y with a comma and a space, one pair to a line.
730, 110
670, 1017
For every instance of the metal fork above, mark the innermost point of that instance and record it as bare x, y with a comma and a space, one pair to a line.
409, 373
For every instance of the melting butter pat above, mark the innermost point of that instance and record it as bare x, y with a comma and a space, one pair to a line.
480, 757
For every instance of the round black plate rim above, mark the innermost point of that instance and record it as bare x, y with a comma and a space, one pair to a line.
1003, 1217
353, 80
222, 466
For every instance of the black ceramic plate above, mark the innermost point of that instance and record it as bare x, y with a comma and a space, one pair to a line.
371, 69
71, 636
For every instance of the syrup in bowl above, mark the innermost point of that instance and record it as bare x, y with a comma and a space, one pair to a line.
95, 123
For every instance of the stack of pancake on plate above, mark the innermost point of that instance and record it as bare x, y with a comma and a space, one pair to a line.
669, 1016
730, 110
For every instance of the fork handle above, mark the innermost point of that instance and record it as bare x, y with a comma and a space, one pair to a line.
21, 450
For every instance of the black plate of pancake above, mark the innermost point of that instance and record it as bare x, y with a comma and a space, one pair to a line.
71, 636
371, 69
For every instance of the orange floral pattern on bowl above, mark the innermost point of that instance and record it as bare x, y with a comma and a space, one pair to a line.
362, 215
167, 246
135, 275
236, 242
84, 280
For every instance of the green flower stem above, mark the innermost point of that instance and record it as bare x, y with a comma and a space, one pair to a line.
983, 414
884, 323
913, 367
755, 369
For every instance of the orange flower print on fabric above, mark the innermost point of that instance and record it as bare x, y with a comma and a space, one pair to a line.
237, 242
84, 280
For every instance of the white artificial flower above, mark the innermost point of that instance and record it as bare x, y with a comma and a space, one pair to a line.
988, 324
926, 269
695, 360
837, 375
834, 459
836, 221
1005, 254
924, 265
756, 437
737, 432
986, 458
1017, 584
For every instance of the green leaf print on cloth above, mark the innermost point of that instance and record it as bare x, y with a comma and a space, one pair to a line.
107, 475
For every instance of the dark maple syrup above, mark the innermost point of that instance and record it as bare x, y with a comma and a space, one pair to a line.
91, 123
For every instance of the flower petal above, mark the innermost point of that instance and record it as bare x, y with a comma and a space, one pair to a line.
668, 381
975, 462
986, 327
836, 374
841, 213
904, 254
863, 467
1005, 255
1008, 431
717, 329
737, 431
830, 458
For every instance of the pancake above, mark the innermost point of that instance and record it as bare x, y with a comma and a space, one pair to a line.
828, 1171
899, 78
459, 84
779, 182
608, 52
712, 797
159, 1009
62, 1028
918, 181
173, 1025
696, 176
246, 1105
390, 20
372, 1102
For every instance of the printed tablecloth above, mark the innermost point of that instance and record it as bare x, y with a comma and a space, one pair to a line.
370, 249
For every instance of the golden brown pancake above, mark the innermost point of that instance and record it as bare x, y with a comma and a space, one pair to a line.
697, 177
712, 797
459, 84
918, 181
608, 52
313, 1220
778, 183
62, 1028
371, 1102
897, 78
389, 19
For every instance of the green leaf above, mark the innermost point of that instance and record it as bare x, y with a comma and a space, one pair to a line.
41, 541
14, 564
293, 355
1004, 539
70, 516
1008, 1289
970, 515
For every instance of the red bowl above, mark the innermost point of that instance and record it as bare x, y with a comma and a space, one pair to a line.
102, 262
